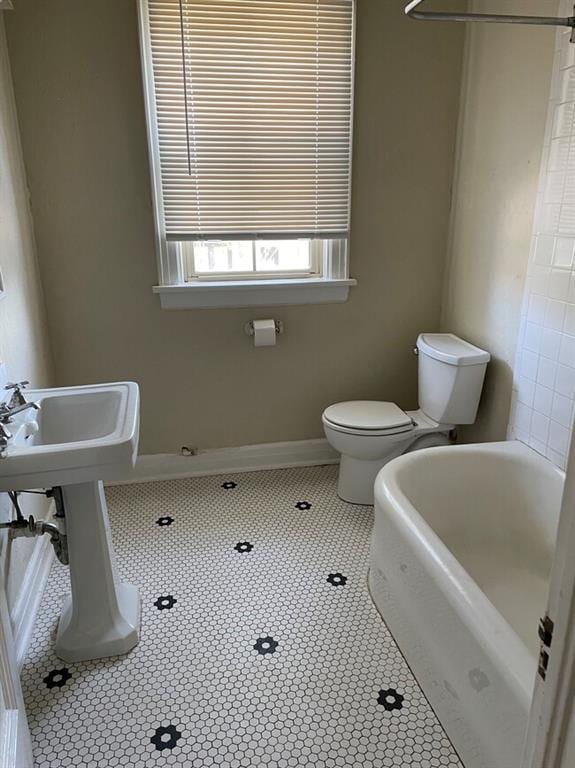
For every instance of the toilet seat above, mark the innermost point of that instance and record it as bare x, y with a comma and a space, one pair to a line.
374, 418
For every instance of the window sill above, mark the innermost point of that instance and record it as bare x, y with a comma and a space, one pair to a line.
254, 293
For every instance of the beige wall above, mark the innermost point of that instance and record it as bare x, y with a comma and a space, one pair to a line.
23, 338
78, 88
502, 121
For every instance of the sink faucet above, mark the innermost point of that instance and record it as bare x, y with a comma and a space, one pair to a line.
16, 404
6, 411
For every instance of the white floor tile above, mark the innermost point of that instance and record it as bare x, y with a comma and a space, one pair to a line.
260, 644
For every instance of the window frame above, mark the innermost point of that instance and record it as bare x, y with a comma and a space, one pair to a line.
174, 287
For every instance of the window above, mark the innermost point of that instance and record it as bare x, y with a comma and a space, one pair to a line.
249, 107
254, 259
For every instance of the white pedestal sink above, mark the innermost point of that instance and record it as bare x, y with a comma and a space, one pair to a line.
80, 437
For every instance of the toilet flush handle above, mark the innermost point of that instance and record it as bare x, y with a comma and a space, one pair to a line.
415, 351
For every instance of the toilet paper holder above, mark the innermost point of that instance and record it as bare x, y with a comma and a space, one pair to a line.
249, 327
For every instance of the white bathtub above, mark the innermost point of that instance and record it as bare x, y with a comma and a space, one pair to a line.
460, 559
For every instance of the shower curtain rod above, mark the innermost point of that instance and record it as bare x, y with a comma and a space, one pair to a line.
550, 21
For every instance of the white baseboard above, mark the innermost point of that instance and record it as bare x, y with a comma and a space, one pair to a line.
31, 590
247, 458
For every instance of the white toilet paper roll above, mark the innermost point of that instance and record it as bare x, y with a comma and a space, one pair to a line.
264, 333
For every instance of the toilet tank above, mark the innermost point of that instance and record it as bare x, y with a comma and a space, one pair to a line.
451, 373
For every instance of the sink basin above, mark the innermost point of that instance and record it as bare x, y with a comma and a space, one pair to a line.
80, 434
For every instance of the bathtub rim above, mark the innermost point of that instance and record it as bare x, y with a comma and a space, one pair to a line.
460, 589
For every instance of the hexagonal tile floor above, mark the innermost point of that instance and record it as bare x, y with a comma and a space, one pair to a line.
260, 644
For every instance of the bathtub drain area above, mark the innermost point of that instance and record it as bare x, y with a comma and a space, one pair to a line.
260, 644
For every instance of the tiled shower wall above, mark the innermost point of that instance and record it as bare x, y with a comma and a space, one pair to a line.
544, 376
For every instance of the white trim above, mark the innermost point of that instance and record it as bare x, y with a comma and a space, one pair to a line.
15, 742
30, 595
254, 293
9, 732
169, 265
246, 458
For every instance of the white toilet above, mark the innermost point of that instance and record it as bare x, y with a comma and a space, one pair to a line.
369, 433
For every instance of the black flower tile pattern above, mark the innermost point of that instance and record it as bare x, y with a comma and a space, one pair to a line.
390, 699
163, 521
166, 737
313, 702
264, 645
165, 602
57, 678
243, 546
229, 485
337, 579
304, 505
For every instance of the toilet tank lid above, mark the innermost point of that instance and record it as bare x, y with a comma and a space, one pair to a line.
451, 349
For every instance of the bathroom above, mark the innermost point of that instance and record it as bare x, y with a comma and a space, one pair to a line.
257, 578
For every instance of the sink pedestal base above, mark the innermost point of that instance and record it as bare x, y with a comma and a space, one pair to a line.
102, 616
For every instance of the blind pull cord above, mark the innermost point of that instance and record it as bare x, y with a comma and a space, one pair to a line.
184, 71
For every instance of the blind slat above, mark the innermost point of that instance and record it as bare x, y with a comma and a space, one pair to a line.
253, 113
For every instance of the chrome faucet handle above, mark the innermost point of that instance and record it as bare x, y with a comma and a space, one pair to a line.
17, 396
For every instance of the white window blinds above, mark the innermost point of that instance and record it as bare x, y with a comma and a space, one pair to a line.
253, 103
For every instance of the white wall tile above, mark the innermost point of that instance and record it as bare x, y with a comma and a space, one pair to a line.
538, 445
532, 337
550, 343
554, 184
554, 315
529, 365
566, 56
565, 381
569, 326
563, 253
543, 400
539, 280
523, 419
558, 154
546, 372
537, 306
563, 119
571, 295
567, 350
558, 284
543, 409
558, 437
544, 250
559, 459
562, 410
525, 391
566, 84
549, 219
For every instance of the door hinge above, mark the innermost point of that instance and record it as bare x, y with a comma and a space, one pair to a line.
546, 627
543, 664
545, 632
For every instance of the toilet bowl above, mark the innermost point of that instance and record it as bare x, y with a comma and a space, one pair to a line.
370, 433
365, 451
